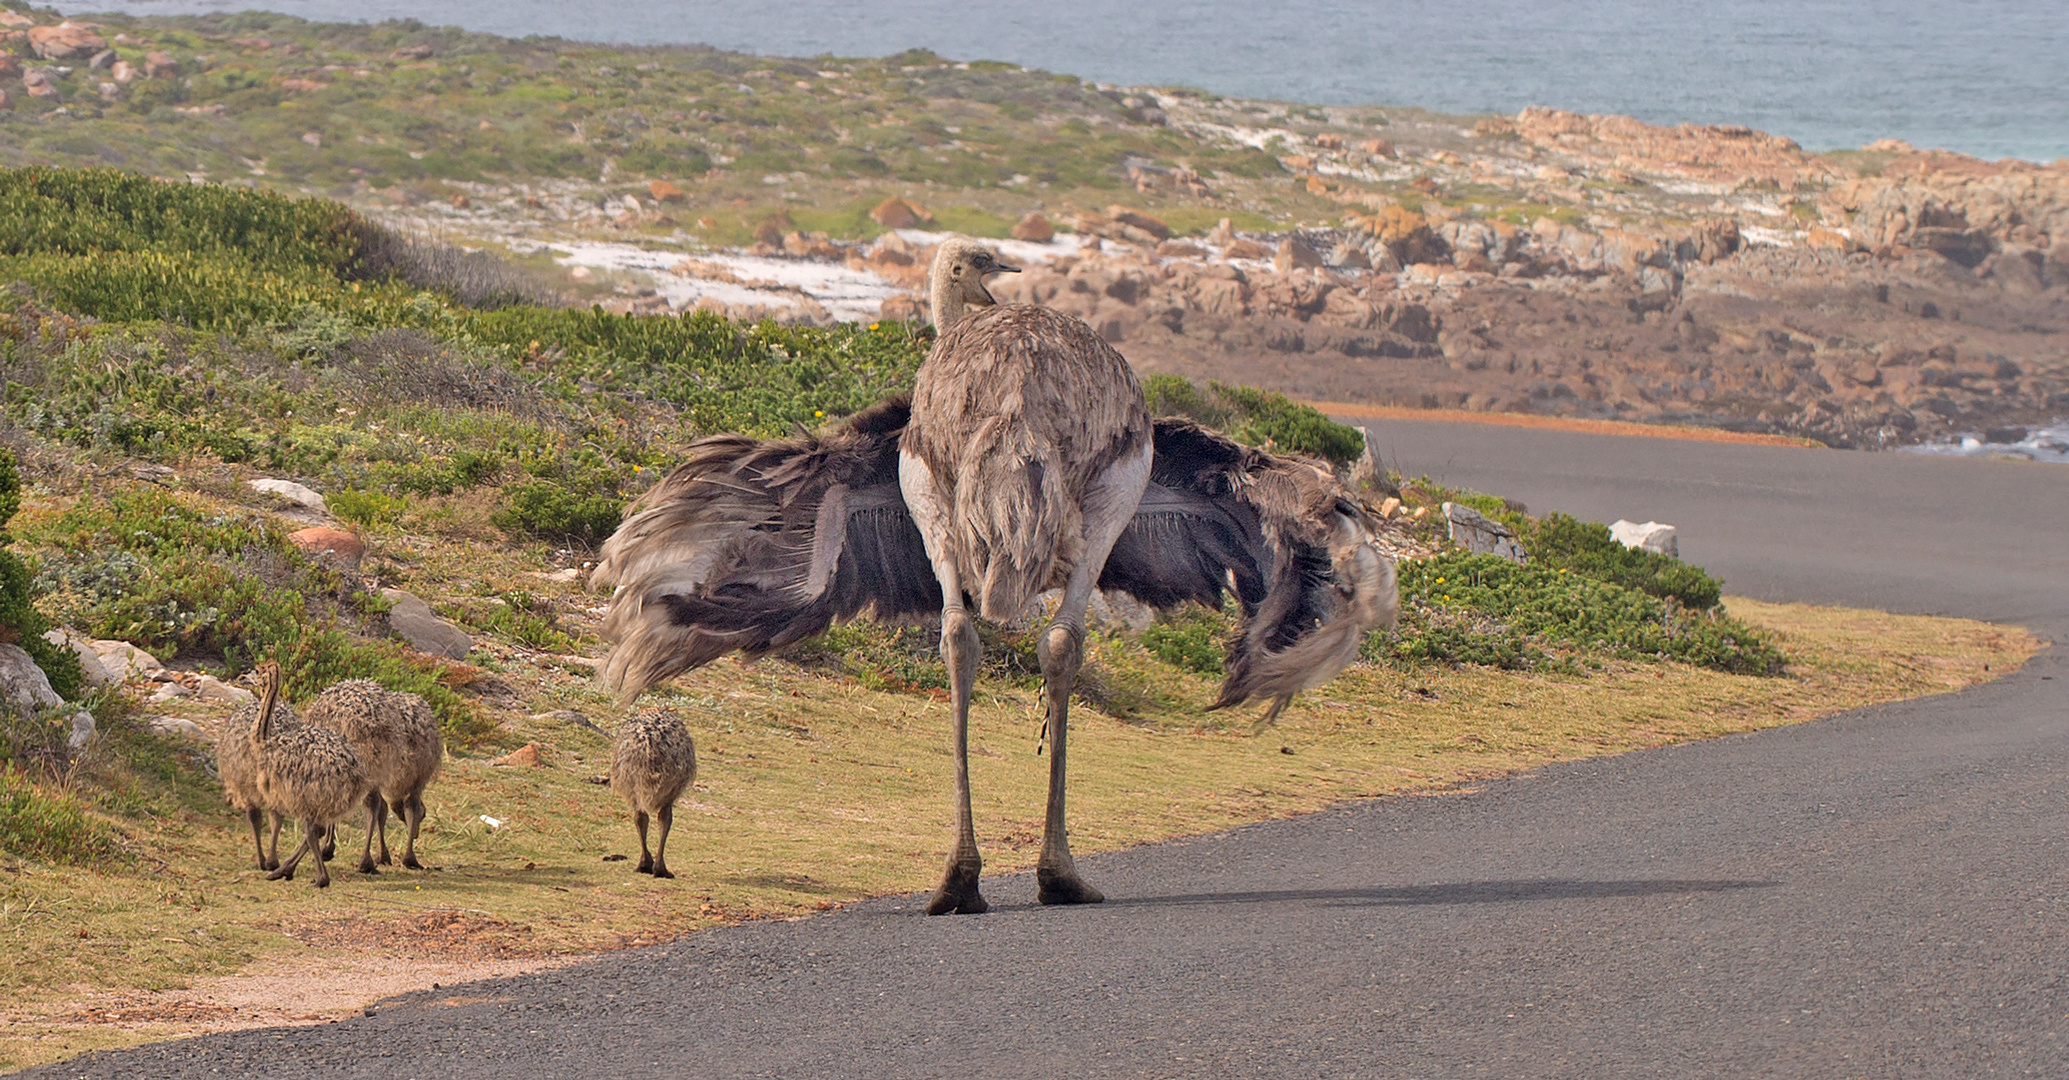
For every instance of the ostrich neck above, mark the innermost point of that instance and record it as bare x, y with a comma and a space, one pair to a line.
948, 303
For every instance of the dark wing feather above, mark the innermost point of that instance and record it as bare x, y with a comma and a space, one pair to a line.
1281, 534
752, 545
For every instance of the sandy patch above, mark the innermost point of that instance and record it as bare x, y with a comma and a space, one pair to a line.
310, 988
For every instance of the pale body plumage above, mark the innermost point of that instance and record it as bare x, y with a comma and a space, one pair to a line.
653, 761
304, 772
396, 736
237, 766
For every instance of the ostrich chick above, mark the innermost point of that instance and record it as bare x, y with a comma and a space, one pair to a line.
653, 762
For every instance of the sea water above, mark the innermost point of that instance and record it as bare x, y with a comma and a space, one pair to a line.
1985, 77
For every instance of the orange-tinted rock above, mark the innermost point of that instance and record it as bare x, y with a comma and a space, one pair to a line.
902, 309
895, 213
1034, 228
66, 41
524, 757
1246, 249
663, 191
336, 543
161, 65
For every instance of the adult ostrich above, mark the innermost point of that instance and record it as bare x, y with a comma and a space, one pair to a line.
1025, 460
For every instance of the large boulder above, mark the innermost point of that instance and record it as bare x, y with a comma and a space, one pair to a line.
288, 490
426, 632
90, 666
1476, 532
26, 691
66, 41
123, 661
1650, 536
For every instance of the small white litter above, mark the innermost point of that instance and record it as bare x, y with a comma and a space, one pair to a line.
493, 823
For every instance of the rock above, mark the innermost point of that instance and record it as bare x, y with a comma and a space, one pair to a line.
22, 684
896, 213
210, 688
1367, 473
160, 65
102, 60
570, 716
1349, 257
1377, 147
40, 83
413, 620
124, 72
1034, 228
1294, 254
177, 727
10, 17
1476, 532
663, 191
168, 692
568, 576
65, 41
1390, 507
26, 690
902, 309
89, 661
337, 545
1131, 218
290, 491
1651, 536
10, 64
1245, 249
524, 757
123, 661
1179, 249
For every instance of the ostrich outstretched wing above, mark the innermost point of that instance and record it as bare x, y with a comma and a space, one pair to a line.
1282, 535
752, 545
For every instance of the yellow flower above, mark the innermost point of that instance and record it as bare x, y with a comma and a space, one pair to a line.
1440, 581
873, 326
818, 412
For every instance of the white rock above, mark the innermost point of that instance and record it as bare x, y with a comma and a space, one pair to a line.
291, 491
560, 577
27, 691
1651, 536
173, 725
124, 661
213, 689
23, 684
168, 692
89, 661
1476, 532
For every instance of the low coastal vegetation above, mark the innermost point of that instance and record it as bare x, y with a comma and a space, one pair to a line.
164, 343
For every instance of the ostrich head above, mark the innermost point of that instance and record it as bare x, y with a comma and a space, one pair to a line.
957, 277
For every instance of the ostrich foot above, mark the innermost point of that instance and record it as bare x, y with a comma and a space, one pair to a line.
366, 866
958, 893
410, 861
661, 870
1064, 887
282, 873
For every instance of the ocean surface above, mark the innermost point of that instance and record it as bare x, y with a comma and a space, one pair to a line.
1985, 77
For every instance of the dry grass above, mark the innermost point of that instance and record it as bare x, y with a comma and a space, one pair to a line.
816, 791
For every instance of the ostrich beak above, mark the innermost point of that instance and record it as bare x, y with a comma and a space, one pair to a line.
1002, 268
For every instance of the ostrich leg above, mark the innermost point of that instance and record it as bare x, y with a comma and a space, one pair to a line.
1108, 506
960, 650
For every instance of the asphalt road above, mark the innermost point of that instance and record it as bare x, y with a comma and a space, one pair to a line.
1882, 894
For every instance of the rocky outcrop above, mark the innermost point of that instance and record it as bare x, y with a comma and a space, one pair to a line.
1720, 153
66, 41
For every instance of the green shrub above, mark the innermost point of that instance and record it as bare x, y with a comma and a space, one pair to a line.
1560, 542
547, 511
1257, 417
52, 826
366, 508
1191, 639
20, 622
1466, 608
